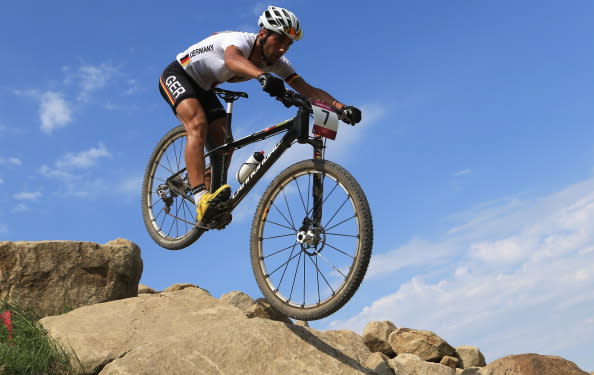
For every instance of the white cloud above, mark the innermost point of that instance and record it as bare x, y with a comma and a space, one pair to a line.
67, 165
47, 171
84, 159
21, 207
10, 161
524, 282
92, 78
26, 196
54, 111
463, 172
130, 185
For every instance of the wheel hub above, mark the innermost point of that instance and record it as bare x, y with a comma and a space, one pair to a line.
311, 237
307, 238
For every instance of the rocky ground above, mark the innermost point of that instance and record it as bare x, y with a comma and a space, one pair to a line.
119, 327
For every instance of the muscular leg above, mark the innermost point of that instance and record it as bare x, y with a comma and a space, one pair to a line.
216, 137
192, 116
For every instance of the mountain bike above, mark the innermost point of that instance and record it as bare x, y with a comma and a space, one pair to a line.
312, 231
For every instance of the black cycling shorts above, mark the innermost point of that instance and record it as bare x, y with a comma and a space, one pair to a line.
176, 85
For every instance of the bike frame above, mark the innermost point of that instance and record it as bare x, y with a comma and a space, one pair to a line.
297, 130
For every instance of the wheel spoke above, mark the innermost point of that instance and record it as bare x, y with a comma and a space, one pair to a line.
342, 235
280, 225
284, 217
340, 251
301, 195
337, 211
279, 236
291, 257
279, 251
288, 209
318, 272
295, 275
330, 264
342, 222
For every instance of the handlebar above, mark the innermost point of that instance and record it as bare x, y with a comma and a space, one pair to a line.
292, 98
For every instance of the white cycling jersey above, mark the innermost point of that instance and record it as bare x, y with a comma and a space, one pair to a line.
205, 61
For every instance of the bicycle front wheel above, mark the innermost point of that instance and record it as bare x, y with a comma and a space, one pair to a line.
311, 239
168, 211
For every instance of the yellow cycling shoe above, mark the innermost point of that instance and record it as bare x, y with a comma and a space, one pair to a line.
206, 209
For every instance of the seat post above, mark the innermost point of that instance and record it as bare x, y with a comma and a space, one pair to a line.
229, 97
229, 117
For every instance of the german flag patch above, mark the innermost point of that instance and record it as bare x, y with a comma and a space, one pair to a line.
185, 60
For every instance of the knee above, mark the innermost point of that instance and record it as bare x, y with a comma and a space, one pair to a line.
196, 127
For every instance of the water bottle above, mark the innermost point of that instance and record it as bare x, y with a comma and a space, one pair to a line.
248, 167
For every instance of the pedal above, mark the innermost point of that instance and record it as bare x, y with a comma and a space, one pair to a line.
220, 221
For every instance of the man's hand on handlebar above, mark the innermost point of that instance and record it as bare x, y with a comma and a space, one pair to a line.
348, 114
272, 85
351, 115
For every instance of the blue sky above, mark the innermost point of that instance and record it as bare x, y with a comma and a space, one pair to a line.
476, 151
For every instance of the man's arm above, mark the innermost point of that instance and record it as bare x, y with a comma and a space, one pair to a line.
236, 62
311, 92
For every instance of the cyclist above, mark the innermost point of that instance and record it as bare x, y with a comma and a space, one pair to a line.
231, 57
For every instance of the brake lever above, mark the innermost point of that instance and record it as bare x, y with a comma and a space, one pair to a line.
342, 118
285, 102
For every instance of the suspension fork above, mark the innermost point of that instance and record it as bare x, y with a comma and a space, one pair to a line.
318, 182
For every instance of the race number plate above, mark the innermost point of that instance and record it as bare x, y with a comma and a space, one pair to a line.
325, 120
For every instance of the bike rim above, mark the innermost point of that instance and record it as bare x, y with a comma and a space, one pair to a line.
306, 267
172, 216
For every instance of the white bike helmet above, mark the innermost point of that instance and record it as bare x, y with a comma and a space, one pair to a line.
281, 21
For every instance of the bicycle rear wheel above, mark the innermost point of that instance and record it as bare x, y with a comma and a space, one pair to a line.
168, 210
308, 258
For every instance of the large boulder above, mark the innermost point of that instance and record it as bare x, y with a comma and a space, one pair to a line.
378, 362
470, 356
425, 344
52, 276
348, 342
262, 308
375, 336
190, 332
410, 364
532, 364
238, 299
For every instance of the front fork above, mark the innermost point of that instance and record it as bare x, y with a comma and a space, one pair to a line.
313, 223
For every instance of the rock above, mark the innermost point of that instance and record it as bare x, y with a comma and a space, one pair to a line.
302, 323
470, 356
469, 371
179, 286
378, 362
348, 342
410, 364
425, 344
190, 332
143, 289
449, 361
532, 364
238, 299
376, 336
54, 276
261, 308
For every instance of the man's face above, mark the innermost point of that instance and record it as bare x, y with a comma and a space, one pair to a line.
276, 46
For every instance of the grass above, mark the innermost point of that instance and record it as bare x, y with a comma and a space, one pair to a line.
25, 347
